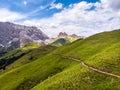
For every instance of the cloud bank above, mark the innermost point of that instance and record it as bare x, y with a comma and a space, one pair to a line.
82, 18
114, 4
7, 15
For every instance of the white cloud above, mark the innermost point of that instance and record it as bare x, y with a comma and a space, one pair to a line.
80, 19
25, 2
114, 4
41, 7
56, 6
7, 15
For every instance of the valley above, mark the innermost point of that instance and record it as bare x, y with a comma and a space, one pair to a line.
88, 64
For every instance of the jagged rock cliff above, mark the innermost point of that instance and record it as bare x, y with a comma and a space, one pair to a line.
18, 35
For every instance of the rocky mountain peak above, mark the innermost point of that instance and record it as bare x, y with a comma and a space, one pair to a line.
19, 34
62, 34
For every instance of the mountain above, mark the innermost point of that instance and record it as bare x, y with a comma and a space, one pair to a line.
2, 49
71, 38
14, 35
62, 34
12, 55
60, 42
88, 64
63, 38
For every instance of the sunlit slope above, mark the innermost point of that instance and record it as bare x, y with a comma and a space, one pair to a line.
29, 75
101, 51
52, 72
60, 42
13, 55
29, 57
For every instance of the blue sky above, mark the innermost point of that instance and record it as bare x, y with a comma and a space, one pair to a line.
82, 17
40, 8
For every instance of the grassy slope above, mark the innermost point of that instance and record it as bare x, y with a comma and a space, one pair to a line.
28, 75
11, 56
15, 52
102, 51
55, 73
60, 42
29, 57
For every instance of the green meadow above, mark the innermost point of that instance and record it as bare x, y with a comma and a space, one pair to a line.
40, 67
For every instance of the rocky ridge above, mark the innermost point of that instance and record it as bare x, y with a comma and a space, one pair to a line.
14, 35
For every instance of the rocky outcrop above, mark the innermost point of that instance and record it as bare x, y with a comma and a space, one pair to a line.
18, 35
71, 38
62, 34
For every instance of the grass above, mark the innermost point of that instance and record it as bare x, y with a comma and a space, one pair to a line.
18, 51
29, 57
34, 72
101, 51
60, 42
12, 56
51, 72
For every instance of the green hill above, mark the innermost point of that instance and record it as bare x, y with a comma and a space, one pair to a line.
13, 55
60, 42
27, 57
54, 72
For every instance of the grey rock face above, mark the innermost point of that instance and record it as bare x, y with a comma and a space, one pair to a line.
62, 34
18, 35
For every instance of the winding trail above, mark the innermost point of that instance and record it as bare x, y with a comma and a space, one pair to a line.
88, 66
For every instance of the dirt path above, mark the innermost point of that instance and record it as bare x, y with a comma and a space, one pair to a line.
90, 67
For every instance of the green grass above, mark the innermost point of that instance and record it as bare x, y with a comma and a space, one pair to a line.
13, 55
60, 42
30, 57
51, 72
101, 51
18, 51
34, 72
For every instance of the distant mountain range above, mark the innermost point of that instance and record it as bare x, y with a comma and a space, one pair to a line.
14, 35
71, 38
63, 38
64, 34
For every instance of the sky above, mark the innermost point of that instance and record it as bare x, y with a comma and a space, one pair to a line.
81, 17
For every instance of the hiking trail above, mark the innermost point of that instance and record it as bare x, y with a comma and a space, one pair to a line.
88, 66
